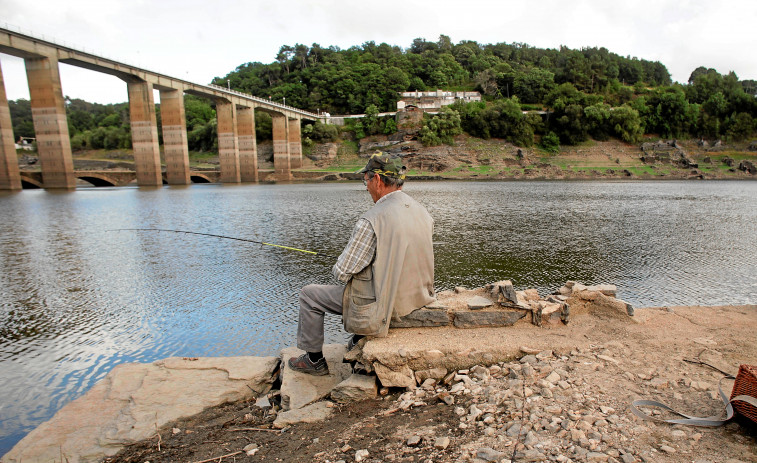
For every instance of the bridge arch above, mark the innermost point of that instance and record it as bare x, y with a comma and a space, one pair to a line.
97, 180
200, 178
30, 184
31, 180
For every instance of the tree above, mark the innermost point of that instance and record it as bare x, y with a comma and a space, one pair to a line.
551, 143
568, 120
626, 124
701, 70
301, 56
444, 44
598, 120
284, 56
390, 127
740, 127
441, 128
532, 85
371, 121
671, 115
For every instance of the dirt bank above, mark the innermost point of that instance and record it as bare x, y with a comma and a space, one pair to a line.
577, 393
474, 158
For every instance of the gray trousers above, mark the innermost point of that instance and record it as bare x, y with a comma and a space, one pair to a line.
315, 301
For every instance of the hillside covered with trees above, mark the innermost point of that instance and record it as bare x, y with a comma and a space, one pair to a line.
590, 92
581, 94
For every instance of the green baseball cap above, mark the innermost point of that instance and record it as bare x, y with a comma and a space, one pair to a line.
385, 164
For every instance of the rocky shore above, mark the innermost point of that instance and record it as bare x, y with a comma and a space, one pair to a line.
471, 158
554, 385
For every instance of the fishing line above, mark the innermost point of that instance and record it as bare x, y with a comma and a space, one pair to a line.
262, 243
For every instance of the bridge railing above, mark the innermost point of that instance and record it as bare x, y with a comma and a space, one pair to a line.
62, 43
76, 48
261, 100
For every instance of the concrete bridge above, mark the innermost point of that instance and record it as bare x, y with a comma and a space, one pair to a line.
237, 148
102, 178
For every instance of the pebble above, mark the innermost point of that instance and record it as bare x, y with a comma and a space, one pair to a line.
447, 398
250, 449
667, 449
514, 429
628, 458
360, 455
414, 441
489, 454
442, 442
457, 387
597, 456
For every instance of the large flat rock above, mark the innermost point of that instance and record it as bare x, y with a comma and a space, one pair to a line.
355, 388
127, 404
312, 413
300, 389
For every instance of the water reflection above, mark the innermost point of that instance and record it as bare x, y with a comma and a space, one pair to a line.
77, 299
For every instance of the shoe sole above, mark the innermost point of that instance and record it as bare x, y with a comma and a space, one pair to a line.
311, 372
308, 371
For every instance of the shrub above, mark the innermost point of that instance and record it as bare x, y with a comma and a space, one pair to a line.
550, 142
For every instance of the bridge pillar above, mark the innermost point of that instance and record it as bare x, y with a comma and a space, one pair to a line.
295, 143
50, 124
175, 145
282, 167
228, 143
248, 147
144, 134
10, 177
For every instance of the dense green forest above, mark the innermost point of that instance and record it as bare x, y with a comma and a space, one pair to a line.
586, 93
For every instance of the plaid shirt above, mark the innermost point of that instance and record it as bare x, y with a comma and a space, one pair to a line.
359, 252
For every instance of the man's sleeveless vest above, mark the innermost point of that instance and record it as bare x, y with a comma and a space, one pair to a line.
401, 277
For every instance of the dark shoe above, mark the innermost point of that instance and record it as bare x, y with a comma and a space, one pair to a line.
305, 365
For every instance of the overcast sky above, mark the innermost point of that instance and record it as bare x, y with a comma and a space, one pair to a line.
198, 40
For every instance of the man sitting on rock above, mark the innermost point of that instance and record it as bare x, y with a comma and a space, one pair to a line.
388, 266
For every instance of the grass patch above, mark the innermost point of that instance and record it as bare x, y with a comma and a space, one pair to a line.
645, 170
557, 161
480, 169
203, 159
735, 155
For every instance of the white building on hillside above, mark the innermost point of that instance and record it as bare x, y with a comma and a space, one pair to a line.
433, 101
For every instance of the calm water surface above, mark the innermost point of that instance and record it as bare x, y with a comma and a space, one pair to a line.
77, 298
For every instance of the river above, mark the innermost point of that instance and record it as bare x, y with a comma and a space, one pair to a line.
78, 296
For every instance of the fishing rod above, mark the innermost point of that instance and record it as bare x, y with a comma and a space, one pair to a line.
262, 243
